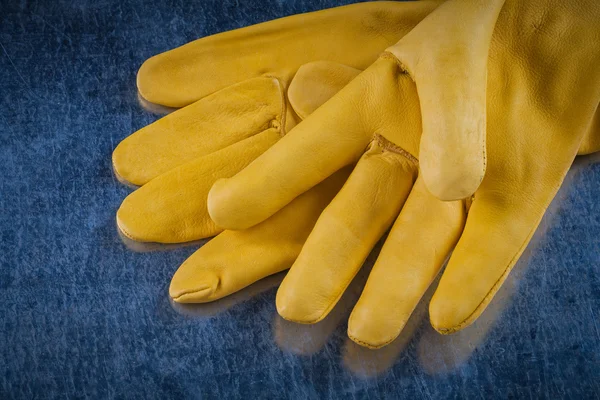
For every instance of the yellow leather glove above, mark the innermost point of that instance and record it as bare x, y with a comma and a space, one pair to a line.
242, 91
234, 260
542, 108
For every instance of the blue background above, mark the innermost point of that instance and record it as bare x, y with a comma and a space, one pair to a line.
83, 316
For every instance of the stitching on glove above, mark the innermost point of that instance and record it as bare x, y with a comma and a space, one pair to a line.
369, 345
394, 148
390, 56
194, 291
283, 108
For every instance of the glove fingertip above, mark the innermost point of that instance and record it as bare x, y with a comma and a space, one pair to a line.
192, 285
223, 206
452, 169
449, 315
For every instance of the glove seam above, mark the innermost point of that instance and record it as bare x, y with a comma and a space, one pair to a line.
369, 345
283, 107
394, 148
193, 291
387, 55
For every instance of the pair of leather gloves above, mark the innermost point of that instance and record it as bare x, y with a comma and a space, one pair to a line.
301, 141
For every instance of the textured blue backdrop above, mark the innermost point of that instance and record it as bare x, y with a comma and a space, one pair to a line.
83, 316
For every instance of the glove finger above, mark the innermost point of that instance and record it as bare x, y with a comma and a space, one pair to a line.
236, 259
330, 139
217, 121
369, 363
333, 136
172, 207
500, 224
447, 56
414, 252
156, 212
351, 35
345, 234
214, 308
307, 339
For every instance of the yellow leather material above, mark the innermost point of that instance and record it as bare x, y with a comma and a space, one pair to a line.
236, 259
171, 208
317, 82
222, 119
415, 249
242, 91
374, 193
380, 101
450, 70
543, 92
352, 35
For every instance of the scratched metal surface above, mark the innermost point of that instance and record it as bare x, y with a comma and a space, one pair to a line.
83, 316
